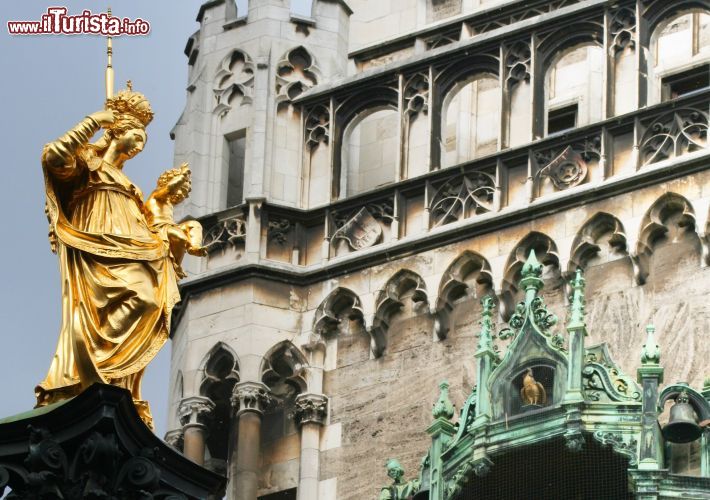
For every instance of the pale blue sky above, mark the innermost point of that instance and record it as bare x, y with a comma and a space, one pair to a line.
48, 84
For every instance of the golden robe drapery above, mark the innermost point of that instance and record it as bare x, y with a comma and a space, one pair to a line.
118, 283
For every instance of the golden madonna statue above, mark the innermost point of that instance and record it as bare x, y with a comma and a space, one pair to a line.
119, 257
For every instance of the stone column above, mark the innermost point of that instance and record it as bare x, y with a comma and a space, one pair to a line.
249, 400
310, 414
192, 411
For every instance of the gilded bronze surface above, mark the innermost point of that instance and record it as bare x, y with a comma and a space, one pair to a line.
119, 257
532, 392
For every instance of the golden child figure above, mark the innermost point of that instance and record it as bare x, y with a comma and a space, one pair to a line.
173, 188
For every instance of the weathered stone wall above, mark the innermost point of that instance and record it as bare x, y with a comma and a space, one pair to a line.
380, 407
384, 405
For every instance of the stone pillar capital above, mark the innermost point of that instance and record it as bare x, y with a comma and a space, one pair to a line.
250, 396
310, 408
174, 438
194, 408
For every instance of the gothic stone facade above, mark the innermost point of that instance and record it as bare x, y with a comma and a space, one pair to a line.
367, 173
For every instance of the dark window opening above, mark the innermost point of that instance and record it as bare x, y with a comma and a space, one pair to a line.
686, 82
281, 495
562, 119
236, 148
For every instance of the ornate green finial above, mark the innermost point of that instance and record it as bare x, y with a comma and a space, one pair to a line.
651, 352
576, 320
486, 336
531, 273
443, 407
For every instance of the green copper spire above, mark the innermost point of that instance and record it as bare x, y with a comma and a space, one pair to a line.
485, 342
651, 353
576, 320
443, 408
531, 276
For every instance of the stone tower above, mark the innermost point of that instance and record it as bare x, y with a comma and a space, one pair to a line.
365, 175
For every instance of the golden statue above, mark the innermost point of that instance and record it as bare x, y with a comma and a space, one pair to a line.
532, 392
119, 257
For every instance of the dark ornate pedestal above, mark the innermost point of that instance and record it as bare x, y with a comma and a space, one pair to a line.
95, 446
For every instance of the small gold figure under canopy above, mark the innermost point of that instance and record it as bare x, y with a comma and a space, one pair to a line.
173, 187
118, 258
532, 392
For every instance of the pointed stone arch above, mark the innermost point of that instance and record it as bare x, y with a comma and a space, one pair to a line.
671, 209
219, 366
546, 251
284, 370
587, 244
218, 374
389, 301
341, 303
456, 284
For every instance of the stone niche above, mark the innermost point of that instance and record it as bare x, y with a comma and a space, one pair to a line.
542, 373
549, 369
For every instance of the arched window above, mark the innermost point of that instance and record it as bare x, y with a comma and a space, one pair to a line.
370, 151
471, 122
574, 88
680, 48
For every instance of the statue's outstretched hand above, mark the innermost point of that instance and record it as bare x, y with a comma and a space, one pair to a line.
197, 251
104, 117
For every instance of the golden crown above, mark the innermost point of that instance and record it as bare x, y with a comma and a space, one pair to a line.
129, 102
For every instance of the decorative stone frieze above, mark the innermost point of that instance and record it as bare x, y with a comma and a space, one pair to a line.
673, 134
569, 167
461, 197
278, 230
362, 228
226, 233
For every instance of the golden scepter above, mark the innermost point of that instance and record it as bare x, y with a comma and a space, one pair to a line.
109, 65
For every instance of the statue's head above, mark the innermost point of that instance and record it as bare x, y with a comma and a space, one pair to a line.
178, 181
132, 115
395, 470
